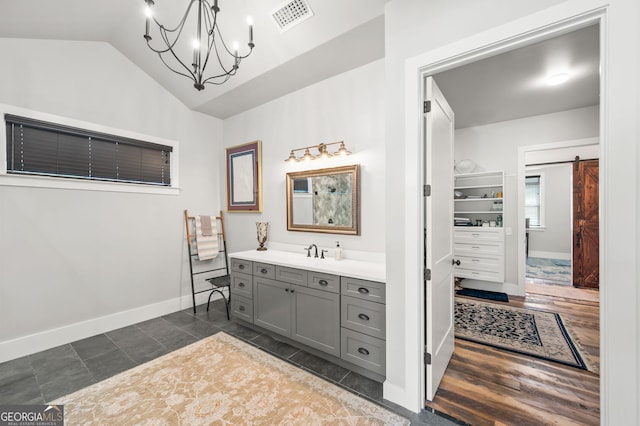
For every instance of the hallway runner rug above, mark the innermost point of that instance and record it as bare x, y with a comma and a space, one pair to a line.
531, 332
220, 380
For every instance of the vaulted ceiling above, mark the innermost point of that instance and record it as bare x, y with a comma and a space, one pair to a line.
342, 34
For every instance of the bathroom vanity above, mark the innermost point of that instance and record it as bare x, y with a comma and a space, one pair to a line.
333, 309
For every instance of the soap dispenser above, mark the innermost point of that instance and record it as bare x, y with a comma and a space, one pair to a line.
338, 252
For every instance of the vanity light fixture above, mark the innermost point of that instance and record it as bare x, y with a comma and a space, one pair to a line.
322, 152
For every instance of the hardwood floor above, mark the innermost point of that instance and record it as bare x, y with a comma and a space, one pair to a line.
488, 386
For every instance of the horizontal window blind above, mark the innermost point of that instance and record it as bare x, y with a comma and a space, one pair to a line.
41, 148
533, 200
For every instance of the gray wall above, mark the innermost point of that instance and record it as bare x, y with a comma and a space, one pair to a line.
555, 240
74, 262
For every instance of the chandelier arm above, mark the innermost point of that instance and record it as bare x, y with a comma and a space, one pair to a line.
210, 35
207, 20
189, 76
191, 73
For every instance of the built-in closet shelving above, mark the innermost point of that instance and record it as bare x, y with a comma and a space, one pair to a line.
479, 226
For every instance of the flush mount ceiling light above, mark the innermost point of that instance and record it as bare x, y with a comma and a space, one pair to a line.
557, 79
208, 46
322, 152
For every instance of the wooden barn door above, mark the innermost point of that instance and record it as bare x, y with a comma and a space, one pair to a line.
586, 245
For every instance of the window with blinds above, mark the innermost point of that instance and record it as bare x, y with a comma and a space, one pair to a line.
47, 149
533, 200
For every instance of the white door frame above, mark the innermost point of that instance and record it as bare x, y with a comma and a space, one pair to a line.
546, 24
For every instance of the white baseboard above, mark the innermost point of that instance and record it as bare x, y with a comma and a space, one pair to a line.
550, 255
47, 339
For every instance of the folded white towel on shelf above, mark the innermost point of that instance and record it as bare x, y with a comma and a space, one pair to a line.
206, 245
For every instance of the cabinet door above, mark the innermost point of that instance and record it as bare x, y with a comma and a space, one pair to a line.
272, 305
316, 319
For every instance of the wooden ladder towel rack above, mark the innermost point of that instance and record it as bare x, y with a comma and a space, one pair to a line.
218, 282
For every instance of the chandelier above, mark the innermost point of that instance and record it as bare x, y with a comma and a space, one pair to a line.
208, 46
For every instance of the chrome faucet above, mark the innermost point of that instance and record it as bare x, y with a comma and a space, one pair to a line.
308, 249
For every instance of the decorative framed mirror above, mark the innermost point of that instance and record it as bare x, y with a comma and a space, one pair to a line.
324, 200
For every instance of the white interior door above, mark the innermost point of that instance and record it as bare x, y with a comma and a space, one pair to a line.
438, 221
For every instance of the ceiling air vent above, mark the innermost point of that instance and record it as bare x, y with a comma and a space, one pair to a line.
291, 13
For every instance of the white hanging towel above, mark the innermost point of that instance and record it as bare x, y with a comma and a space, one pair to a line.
207, 245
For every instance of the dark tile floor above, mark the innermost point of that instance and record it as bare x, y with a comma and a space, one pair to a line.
46, 375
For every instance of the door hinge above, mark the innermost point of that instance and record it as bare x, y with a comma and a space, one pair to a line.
427, 358
427, 274
426, 106
426, 189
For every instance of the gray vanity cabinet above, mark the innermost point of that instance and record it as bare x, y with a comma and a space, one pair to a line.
272, 305
336, 315
316, 319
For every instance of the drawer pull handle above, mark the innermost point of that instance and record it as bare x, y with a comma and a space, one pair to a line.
476, 235
475, 247
475, 260
363, 351
263, 271
287, 290
241, 285
455, 262
363, 290
241, 266
363, 317
241, 308
323, 282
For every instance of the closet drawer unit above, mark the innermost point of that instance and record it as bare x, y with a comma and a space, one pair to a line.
242, 308
242, 285
496, 276
363, 350
325, 282
480, 263
291, 275
242, 266
363, 289
363, 316
264, 270
478, 249
478, 234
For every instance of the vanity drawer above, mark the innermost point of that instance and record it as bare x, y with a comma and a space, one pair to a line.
477, 249
363, 289
363, 350
478, 234
363, 316
264, 270
242, 308
239, 265
324, 282
242, 285
291, 275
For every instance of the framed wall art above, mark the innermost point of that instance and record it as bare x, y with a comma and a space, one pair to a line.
244, 177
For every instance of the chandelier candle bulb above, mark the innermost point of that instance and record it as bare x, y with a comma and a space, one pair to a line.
250, 22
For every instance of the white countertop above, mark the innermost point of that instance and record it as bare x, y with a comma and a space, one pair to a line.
373, 271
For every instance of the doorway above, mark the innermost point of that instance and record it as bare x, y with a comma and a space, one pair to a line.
516, 286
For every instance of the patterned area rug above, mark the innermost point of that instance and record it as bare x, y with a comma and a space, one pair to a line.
219, 380
537, 333
554, 270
